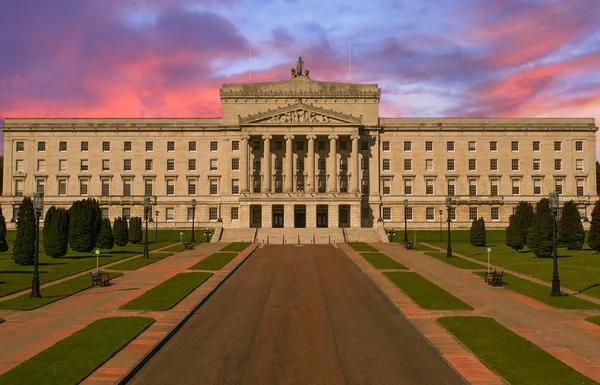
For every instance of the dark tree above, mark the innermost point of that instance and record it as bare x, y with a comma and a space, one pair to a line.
571, 232
135, 230
477, 233
56, 232
82, 226
1, 173
539, 238
594, 233
522, 223
120, 232
509, 234
105, 238
24, 245
3, 244
96, 214
597, 177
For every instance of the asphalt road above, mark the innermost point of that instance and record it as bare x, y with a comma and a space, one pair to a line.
297, 315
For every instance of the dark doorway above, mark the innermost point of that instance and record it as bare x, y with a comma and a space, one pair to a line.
278, 216
322, 216
299, 216
255, 216
344, 216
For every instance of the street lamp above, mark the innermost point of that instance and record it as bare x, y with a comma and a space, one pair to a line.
193, 218
405, 229
441, 238
146, 215
449, 207
156, 226
37, 209
555, 280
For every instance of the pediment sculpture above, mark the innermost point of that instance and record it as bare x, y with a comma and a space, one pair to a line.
300, 113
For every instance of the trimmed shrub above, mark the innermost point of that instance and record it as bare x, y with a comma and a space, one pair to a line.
509, 234
135, 230
539, 237
85, 220
105, 238
3, 244
120, 233
519, 227
594, 233
24, 245
56, 232
570, 228
477, 233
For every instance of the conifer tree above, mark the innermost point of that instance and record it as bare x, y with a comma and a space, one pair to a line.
135, 230
571, 232
24, 245
509, 234
56, 232
82, 226
3, 244
105, 238
120, 232
594, 233
539, 237
523, 218
477, 233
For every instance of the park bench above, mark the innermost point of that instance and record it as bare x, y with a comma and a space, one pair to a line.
494, 278
99, 278
409, 245
188, 245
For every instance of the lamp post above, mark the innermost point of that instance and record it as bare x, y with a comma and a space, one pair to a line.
146, 215
156, 226
37, 209
449, 207
441, 237
193, 219
405, 229
555, 280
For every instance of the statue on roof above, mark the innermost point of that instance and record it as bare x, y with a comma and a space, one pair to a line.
298, 70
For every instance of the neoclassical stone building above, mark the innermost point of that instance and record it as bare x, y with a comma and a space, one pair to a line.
301, 153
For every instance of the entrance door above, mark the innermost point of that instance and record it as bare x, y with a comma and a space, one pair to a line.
255, 216
344, 216
277, 216
300, 216
322, 216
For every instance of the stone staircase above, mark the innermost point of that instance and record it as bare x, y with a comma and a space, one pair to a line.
300, 236
363, 235
238, 235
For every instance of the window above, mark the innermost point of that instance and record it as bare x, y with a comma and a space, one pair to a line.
343, 145
234, 213
514, 164
387, 213
255, 146
408, 213
235, 145
407, 186
83, 165
472, 213
452, 213
19, 165
471, 146
451, 187
407, 164
300, 145
449, 146
170, 164
578, 145
104, 211
105, 188
256, 165
321, 165
191, 186
536, 145
170, 146
62, 187
320, 145
580, 191
256, 185
62, 165
429, 213
41, 146
387, 189
148, 187
214, 145
472, 188
493, 164
149, 146
85, 146
386, 165
40, 186
41, 165
212, 214
429, 186
450, 164
126, 213
190, 214
514, 146
364, 145
579, 165
191, 164
516, 190
214, 188
493, 145
537, 164
364, 164
557, 146
105, 164
300, 164
364, 213
537, 187
429, 146
385, 145
126, 164
170, 187
494, 187
19, 187
235, 164
191, 146
62, 146
472, 164
407, 146
105, 146
495, 214
169, 213
20, 146
148, 164
279, 145
213, 165
83, 187
428, 164
127, 187
127, 146
558, 186
235, 186
557, 164
365, 185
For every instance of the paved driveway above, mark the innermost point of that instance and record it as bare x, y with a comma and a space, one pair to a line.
297, 315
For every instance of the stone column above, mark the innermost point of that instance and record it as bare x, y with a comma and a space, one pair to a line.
310, 167
374, 170
354, 185
333, 182
289, 171
266, 186
244, 165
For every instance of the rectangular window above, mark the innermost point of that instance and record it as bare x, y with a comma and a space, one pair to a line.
62, 146
255, 146
126, 164
472, 188
19, 165
127, 146
170, 164
40, 186
235, 164
212, 214
105, 190
386, 165
558, 186
557, 146
213, 186
105, 146
213, 165
385, 145
451, 187
83, 165
407, 186
407, 164
300, 145
471, 146
170, 187
387, 189
191, 164
472, 164
429, 213
364, 213
20, 146
191, 146
429, 186
256, 185
557, 164
169, 213
148, 188
450, 146
514, 146
407, 146
494, 188
580, 191
495, 214
364, 145
429, 146
85, 146
452, 213
235, 145
536, 145
62, 165
300, 165
321, 165
493, 145
149, 146
579, 165
19, 187
41, 165
104, 211
191, 186
190, 214
578, 145
83, 187
235, 186
343, 145
126, 213
256, 165
148, 164
234, 213
62, 187
516, 187
472, 213
387, 213
279, 145
170, 146
365, 185
105, 164
514, 164
214, 146
493, 164
428, 164
127, 188
364, 164
408, 213
450, 164
41, 146
537, 187
537, 164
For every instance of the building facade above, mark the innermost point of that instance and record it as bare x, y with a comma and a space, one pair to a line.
301, 153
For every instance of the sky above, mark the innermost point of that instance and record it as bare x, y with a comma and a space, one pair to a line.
431, 58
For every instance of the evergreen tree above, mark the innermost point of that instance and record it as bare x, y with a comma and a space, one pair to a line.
24, 245
105, 238
3, 244
539, 237
120, 232
522, 223
477, 233
96, 215
509, 234
56, 232
571, 232
594, 233
82, 226
597, 177
135, 230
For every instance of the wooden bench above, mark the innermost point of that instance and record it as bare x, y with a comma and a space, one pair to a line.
188, 245
494, 278
99, 278
409, 245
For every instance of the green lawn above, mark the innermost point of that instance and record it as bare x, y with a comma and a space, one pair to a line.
595, 320
362, 246
167, 294
136, 263
578, 269
236, 246
14, 278
425, 293
455, 261
382, 261
71, 360
513, 357
214, 261
52, 293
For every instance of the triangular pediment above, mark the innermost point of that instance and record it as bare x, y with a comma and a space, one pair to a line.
300, 113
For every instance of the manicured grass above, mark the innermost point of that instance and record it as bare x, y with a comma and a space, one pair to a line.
52, 293
382, 261
455, 261
595, 320
16, 278
513, 357
71, 360
167, 294
136, 263
214, 261
236, 247
176, 248
542, 293
425, 293
362, 246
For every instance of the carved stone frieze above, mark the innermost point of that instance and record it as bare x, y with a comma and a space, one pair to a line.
300, 113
